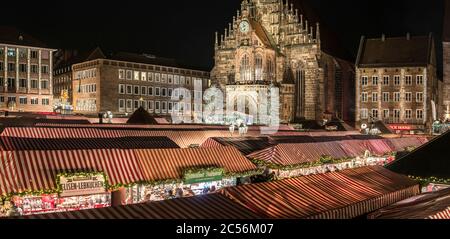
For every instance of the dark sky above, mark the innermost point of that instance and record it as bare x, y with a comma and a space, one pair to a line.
184, 29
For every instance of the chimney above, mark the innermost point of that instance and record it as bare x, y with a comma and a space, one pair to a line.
383, 37
408, 36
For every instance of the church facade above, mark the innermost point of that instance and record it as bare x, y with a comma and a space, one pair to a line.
269, 44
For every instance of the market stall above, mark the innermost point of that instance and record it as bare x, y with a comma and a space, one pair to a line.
433, 205
212, 206
174, 173
34, 180
336, 195
292, 160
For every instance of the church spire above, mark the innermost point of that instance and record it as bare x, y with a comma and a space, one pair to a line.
216, 44
318, 34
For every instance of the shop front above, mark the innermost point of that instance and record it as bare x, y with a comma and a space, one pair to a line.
408, 129
194, 183
75, 192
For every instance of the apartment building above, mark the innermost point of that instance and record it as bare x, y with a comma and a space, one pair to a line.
123, 82
397, 83
25, 72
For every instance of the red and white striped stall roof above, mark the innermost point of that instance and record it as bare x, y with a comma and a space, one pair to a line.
161, 164
435, 205
184, 138
380, 146
23, 171
291, 154
18, 143
337, 195
211, 206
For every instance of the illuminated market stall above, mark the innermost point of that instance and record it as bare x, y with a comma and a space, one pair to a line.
64, 180
433, 205
174, 173
292, 160
337, 195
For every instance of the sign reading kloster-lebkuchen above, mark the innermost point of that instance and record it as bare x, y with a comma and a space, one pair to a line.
77, 185
205, 175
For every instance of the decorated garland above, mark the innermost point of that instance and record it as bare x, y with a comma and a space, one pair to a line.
110, 187
426, 181
324, 160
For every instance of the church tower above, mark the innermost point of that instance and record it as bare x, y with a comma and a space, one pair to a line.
270, 44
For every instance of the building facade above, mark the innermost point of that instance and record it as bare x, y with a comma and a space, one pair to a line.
123, 82
397, 82
25, 73
446, 80
268, 44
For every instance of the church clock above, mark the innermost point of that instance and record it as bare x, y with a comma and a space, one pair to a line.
244, 27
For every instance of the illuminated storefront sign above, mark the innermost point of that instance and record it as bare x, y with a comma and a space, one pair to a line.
401, 127
203, 175
81, 184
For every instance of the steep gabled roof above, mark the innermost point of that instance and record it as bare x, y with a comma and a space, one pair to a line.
141, 116
15, 36
396, 51
446, 34
262, 34
430, 160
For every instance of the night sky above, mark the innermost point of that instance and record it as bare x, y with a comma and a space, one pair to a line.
184, 29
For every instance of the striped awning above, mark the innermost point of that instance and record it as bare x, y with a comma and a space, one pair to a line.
24, 171
380, 146
17, 143
401, 144
435, 205
292, 154
245, 145
337, 195
354, 148
211, 206
183, 138
161, 164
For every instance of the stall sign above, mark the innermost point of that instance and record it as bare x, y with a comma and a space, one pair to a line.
78, 185
210, 175
400, 127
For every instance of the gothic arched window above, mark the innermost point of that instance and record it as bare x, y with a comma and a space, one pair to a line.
245, 69
258, 68
270, 70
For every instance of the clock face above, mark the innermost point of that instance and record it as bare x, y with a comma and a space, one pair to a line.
244, 27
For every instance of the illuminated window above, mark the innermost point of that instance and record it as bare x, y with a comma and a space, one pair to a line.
364, 80
375, 113
385, 114
245, 69
374, 97
258, 68
121, 74
396, 96
419, 114
396, 80
385, 80
419, 97
385, 96
408, 80
408, 96
11, 52
364, 97
374, 80
121, 89
408, 114
419, 80
364, 114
